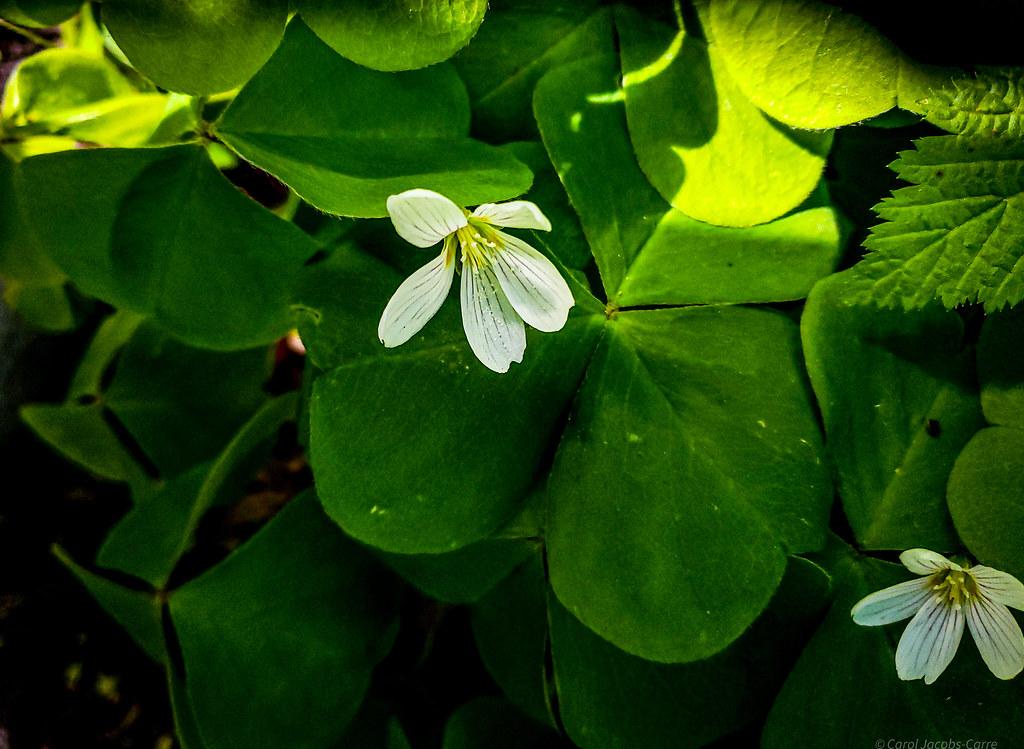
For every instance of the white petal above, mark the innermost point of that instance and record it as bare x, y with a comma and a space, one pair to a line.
930, 641
924, 562
532, 283
495, 332
999, 586
892, 604
417, 300
424, 217
997, 636
515, 214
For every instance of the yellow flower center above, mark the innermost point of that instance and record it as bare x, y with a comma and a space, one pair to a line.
478, 239
954, 587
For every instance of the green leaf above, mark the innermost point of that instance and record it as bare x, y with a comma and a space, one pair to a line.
520, 42
844, 690
464, 575
986, 498
177, 242
502, 424
898, 404
511, 631
691, 464
48, 83
153, 536
609, 698
394, 34
810, 65
82, 434
690, 262
585, 135
566, 241
280, 638
21, 256
45, 307
38, 12
180, 403
395, 132
71, 200
195, 47
496, 724
111, 336
149, 540
1001, 368
956, 234
701, 143
987, 104
139, 612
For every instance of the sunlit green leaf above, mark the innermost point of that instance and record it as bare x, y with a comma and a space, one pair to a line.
394, 34
811, 65
585, 135
705, 147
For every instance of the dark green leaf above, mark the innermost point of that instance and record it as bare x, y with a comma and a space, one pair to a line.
609, 698
139, 612
844, 690
1001, 368
510, 625
151, 538
520, 42
463, 575
395, 132
183, 404
82, 434
692, 463
986, 498
898, 403
280, 638
177, 242
494, 723
487, 435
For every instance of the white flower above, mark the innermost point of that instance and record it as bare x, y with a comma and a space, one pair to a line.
505, 282
940, 602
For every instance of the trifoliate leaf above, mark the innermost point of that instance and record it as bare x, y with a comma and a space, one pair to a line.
957, 232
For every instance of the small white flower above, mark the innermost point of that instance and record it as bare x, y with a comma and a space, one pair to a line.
940, 602
505, 282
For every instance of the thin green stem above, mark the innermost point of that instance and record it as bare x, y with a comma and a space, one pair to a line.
30, 35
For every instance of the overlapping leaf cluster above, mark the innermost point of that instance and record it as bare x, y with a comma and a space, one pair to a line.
638, 516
